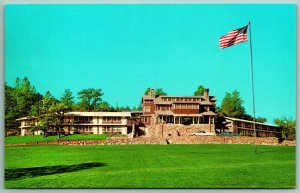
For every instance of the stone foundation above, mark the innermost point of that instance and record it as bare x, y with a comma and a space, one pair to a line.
171, 130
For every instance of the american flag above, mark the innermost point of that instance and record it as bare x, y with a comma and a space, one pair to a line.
234, 37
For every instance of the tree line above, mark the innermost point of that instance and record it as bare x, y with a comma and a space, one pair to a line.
23, 100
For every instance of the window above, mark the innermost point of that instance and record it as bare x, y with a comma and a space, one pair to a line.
87, 119
146, 109
88, 129
177, 106
248, 125
163, 107
239, 123
107, 129
116, 119
76, 119
111, 119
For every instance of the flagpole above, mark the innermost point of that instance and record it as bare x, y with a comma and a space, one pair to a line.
253, 102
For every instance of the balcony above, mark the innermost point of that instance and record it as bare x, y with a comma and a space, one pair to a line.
112, 122
82, 121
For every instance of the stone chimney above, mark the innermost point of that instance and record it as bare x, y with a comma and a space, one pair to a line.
206, 94
151, 93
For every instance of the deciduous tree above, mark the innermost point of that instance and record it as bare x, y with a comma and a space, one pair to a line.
232, 105
104, 106
89, 98
288, 126
158, 92
51, 113
257, 119
261, 119
41, 111
199, 91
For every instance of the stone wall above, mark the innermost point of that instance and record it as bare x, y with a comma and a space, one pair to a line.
177, 140
114, 141
170, 140
223, 140
178, 130
288, 142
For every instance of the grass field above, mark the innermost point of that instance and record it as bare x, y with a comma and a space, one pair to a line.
40, 138
150, 166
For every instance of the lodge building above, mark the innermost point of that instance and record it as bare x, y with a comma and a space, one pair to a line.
196, 111
84, 122
246, 128
179, 110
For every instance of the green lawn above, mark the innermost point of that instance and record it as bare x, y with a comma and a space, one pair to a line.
150, 166
38, 138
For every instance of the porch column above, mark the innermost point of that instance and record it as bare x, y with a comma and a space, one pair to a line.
209, 123
174, 120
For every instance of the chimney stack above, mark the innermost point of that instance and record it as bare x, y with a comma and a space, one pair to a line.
151, 93
206, 94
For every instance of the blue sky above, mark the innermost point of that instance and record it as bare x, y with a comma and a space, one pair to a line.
123, 49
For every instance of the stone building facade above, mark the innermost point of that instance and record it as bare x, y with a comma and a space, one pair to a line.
175, 112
